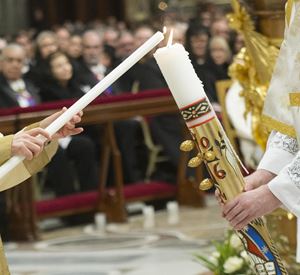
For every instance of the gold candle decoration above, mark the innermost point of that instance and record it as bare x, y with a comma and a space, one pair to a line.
215, 150
187, 146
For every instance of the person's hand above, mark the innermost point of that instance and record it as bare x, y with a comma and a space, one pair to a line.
27, 144
69, 129
253, 181
249, 205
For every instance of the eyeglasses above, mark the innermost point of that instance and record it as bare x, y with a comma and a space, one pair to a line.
88, 47
13, 59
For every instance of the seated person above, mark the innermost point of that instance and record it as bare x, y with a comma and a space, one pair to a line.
46, 43
75, 46
88, 67
59, 84
15, 90
146, 73
219, 58
59, 80
166, 129
197, 38
63, 83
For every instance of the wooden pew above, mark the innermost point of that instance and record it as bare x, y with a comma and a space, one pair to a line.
112, 201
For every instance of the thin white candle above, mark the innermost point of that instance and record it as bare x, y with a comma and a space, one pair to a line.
91, 95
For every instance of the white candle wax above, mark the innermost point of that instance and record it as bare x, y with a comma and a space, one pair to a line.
91, 95
180, 75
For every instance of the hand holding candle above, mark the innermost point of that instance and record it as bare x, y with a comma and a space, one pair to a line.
214, 149
90, 96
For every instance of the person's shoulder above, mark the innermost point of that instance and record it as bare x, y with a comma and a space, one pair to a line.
2, 79
79, 65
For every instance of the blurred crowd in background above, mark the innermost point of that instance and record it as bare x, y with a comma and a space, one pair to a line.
63, 62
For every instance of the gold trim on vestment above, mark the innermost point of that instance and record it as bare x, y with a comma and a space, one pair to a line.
294, 99
289, 8
279, 126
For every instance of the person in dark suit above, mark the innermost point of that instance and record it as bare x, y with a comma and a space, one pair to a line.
15, 90
166, 129
89, 71
88, 68
144, 75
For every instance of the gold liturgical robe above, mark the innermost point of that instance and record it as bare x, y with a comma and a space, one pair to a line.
22, 172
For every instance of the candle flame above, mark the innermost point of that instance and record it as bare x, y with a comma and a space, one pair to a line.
164, 30
170, 40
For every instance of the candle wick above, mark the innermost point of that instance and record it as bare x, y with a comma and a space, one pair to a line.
170, 40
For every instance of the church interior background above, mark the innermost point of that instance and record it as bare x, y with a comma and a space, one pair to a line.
163, 234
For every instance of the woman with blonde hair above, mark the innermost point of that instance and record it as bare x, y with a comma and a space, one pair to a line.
219, 57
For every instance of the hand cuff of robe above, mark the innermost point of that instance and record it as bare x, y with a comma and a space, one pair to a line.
35, 165
286, 191
5, 148
27, 168
275, 159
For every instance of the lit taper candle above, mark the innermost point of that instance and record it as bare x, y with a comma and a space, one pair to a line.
215, 150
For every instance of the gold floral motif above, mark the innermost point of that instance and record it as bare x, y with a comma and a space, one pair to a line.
206, 184
187, 146
195, 162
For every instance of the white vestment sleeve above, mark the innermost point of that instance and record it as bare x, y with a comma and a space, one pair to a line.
281, 150
286, 187
286, 190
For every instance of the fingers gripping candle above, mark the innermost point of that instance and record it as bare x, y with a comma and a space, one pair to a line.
16, 161
215, 149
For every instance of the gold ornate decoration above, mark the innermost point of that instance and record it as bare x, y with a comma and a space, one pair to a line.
245, 69
206, 184
209, 156
187, 146
295, 99
253, 67
195, 162
279, 126
217, 153
197, 110
289, 8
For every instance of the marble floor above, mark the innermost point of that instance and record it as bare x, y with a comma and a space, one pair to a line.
123, 248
